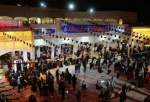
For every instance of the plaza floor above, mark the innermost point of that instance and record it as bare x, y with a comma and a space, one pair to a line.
91, 94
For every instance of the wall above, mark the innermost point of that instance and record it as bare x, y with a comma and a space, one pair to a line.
87, 38
128, 17
141, 31
9, 45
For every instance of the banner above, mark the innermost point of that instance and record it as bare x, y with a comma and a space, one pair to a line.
10, 23
72, 28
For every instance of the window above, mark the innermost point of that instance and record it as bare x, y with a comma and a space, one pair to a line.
45, 20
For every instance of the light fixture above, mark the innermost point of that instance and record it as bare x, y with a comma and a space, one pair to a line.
19, 5
42, 4
71, 6
91, 10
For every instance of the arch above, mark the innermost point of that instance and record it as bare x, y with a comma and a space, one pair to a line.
21, 18
8, 44
35, 20
45, 20
6, 18
2, 52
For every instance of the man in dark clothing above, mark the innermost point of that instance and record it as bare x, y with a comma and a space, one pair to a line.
51, 84
18, 64
147, 99
78, 96
74, 81
57, 75
123, 96
123, 93
34, 84
62, 89
84, 65
76, 67
69, 78
32, 98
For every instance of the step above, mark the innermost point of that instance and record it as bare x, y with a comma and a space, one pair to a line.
7, 88
9, 93
2, 81
4, 85
139, 90
12, 97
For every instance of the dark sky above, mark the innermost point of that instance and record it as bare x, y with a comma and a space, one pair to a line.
140, 6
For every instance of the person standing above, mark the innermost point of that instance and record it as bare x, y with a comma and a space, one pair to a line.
79, 66
19, 83
69, 78
74, 81
78, 96
34, 84
51, 85
62, 89
32, 98
91, 63
76, 67
57, 75
147, 99
123, 96
84, 62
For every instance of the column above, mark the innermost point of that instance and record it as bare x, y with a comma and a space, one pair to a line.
129, 46
52, 52
75, 49
38, 52
92, 48
59, 50
13, 55
33, 54
25, 58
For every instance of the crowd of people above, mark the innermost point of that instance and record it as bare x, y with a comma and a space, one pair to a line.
42, 81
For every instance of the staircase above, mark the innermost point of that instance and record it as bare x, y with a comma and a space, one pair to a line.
9, 92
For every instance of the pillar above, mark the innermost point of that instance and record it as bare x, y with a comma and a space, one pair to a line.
52, 52
75, 48
33, 54
25, 57
38, 52
13, 54
59, 50
129, 46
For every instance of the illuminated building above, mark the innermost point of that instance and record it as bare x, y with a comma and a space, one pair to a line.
66, 24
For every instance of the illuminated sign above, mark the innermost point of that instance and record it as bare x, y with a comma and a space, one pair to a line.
45, 31
72, 28
10, 23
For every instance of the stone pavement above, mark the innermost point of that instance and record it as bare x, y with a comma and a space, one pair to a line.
91, 76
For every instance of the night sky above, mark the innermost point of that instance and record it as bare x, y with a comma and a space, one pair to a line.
140, 6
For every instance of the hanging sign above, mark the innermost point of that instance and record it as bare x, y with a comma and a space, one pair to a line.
73, 28
10, 23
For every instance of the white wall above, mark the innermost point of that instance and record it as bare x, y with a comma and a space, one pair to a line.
91, 39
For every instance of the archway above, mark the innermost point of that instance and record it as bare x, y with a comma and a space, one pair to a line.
12, 41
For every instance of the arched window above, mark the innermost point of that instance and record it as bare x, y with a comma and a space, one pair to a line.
24, 19
35, 20
45, 20
51, 20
